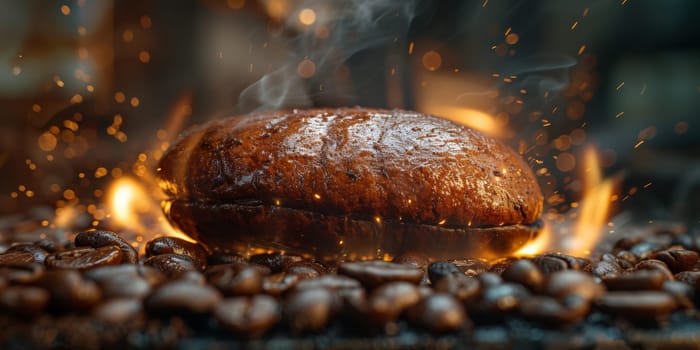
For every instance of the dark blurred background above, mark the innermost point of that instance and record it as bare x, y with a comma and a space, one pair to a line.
95, 90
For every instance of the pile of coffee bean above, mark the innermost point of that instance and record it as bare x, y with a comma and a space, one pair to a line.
97, 291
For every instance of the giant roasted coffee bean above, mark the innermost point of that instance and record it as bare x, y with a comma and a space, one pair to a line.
100, 238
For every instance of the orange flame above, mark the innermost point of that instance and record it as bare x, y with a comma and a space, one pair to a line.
132, 207
582, 235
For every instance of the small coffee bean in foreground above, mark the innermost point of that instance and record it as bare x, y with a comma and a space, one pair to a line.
570, 282
387, 302
654, 264
69, 291
85, 258
100, 238
306, 269
524, 272
24, 301
377, 272
678, 260
462, 287
276, 262
553, 312
183, 296
279, 283
636, 280
174, 245
681, 292
38, 253
641, 305
441, 269
238, 279
172, 265
489, 279
549, 264
250, 317
310, 310
438, 313
603, 268
11, 258
22, 274
330, 282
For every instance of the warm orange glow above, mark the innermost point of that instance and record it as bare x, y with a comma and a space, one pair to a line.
472, 118
578, 237
538, 245
131, 206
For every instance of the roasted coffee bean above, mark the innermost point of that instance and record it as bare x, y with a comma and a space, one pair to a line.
441, 269
248, 316
439, 313
681, 292
498, 300
463, 287
24, 301
472, 266
225, 258
653, 264
193, 277
626, 243
85, 258
553, 312
689, 277
183, 296
235, 279
172, 265
415, 259
572, 263
276, 262
549, 264
99, 238
525, 272
637, 305
22, 274
501, 265
330, 282
678, 260
644, 250
69, 291
626, 259
38, 253
279, 283
564, 283
310, 310
377, 272
118, 311
489, 279
386, 303
12, 259
306, 269
636, 280
174, 245
603, 268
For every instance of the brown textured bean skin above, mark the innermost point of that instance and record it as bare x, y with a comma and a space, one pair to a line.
386, 303
235, 279
100, 238
172, 265
174, 245
678, 260
85, 258
330, 173
38, 253
526, 273
438, 313
310, 310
